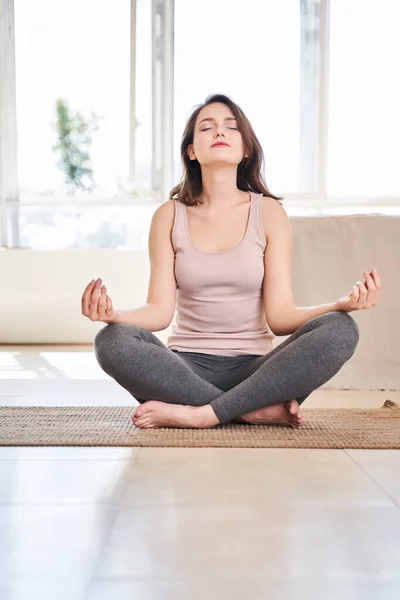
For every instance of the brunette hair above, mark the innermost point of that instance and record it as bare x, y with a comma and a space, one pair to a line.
249, 171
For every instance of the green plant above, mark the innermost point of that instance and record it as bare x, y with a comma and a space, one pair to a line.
74, 140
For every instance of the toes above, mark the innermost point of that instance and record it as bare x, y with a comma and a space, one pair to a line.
293, 407
145, 410
145, 422
294, 415
295, 421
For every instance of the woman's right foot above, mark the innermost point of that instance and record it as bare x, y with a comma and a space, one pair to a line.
287, 414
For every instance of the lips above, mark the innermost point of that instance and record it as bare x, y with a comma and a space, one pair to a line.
219, 144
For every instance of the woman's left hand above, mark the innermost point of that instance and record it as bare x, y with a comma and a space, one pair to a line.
363, 295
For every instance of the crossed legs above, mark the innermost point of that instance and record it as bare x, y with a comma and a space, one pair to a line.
143, 365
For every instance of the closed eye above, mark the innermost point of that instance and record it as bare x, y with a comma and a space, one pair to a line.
235, 128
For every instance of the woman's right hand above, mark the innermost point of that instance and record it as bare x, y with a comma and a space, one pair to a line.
96, 305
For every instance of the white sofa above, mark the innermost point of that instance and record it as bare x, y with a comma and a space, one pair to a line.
40, 299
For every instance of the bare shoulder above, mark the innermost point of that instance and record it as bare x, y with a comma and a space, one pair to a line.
274, 216
163, 216
166, 210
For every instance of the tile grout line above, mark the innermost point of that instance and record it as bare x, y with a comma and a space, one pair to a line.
103, 545
396, 504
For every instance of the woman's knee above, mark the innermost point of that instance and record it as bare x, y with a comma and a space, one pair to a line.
345, 331
108, 341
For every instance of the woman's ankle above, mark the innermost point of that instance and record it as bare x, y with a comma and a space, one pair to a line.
206, 416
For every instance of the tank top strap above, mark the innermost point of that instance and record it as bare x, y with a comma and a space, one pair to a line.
178, 226
257, 217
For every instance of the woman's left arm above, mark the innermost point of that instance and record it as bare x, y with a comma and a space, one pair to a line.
363, 295
282, 316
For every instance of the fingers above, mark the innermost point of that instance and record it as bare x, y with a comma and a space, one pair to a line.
94, 300
111, 315
371, 287
356, 291
102, 304
377, 280
367, 293
363, 292
85, 302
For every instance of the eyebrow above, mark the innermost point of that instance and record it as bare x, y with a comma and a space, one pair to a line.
212, 119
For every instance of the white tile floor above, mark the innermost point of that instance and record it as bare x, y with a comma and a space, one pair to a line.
188, 523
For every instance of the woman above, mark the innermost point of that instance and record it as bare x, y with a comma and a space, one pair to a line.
208, 245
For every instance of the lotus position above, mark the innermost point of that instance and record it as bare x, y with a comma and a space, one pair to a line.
220, 253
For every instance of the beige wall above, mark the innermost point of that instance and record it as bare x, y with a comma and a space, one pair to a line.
41, 289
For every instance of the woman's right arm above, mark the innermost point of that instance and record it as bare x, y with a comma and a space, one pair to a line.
158, 311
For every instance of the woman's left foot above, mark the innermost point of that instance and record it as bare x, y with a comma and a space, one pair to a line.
154, 413
287, 414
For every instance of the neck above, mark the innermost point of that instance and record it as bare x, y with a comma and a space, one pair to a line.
219, 187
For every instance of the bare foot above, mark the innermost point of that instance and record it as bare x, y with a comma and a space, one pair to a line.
154, 413
287, 414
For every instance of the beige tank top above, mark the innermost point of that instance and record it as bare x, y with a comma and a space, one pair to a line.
219, 307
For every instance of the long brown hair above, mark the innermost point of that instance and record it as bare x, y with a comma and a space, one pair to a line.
249, 171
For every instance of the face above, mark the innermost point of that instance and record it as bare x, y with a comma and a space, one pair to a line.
220, 126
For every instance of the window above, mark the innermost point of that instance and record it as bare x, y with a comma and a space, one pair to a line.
364, 116
316, 78
81, 71
77, 52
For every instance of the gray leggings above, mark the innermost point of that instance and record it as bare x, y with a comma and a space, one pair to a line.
233, 385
